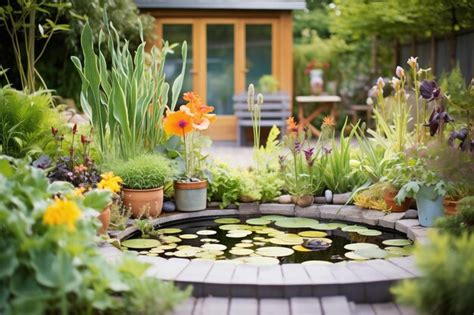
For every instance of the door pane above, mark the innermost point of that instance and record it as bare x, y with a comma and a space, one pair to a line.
177, 33
220, 67
258, 52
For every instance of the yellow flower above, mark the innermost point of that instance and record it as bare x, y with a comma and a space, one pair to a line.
110, 181
62, 212
79, 191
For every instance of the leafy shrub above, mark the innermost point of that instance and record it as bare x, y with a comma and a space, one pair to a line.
447, 284
49, 262
461, 222
25, 121
145, 171
224, 185
249, 189
270, 185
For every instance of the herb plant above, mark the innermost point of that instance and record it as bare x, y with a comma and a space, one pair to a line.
224, 185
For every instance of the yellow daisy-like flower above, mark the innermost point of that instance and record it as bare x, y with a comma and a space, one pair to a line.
110, 181
79, 191
62, 212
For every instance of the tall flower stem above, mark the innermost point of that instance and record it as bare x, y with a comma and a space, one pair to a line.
185, 152
417, 96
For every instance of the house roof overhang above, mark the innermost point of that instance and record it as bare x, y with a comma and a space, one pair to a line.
223, 4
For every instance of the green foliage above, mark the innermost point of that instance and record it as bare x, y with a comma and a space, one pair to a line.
125, 100
270, 185
26, 121
447, 284
55, 270
461, 222
224, 185
268, 84
145, 171
249, 189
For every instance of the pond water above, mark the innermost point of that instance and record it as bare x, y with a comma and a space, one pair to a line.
271, 239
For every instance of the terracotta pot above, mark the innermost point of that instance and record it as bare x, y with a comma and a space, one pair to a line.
144, 202
450, 206
304, 201
104, 218
389, 197
190, 196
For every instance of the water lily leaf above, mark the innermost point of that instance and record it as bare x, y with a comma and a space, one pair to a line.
369, 232
296, 223
371, 252
323, 226
141, 243
400, 251
354, 256
188, 236
241, 251
357, 246
169, 231
300, 248
274, 251
312, 234
244, 245
214, 246
228, 227
227, 220
209, 240
353, 228
397, 242
273, 217
258, 221
316, 262
206, 232
168, 239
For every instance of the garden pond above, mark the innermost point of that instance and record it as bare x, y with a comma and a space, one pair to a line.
270, 239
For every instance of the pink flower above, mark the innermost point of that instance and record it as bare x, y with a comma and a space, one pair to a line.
412, 61
380, 83
400, 72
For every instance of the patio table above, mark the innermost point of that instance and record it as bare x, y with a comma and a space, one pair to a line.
320, 103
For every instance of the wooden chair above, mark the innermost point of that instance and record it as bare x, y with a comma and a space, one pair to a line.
275, 111
355, 110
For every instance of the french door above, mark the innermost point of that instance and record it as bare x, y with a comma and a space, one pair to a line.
224, 56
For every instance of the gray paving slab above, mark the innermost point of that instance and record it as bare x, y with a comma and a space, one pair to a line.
270, 282
296, 280
277, 208
385, 309
417, 232
403, 224
307, 212
243, 283
330, 211
371, 217
248, 208
305, 306
407, 263
195, 271
389, 270
185, 308
218, 278
365, 272
168, 269
274, 306
362, 309
389, 220
320, 274
243, 306
406, 310
335, 305
351, 213
350, 285
213, 306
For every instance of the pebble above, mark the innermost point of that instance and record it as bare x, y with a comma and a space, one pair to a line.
169, 206
341, 199
411, 214
328, 196
284, 199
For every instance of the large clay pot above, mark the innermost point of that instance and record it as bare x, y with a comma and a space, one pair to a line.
430, 206
144, 202
190, 196
450, 206
389, 197
104, 218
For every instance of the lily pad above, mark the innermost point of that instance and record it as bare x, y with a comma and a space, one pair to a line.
188, 236
229, 227
273, 217
298, 223
395, 242
274, 251
246, 241
369, 232
354, 256
323, 226
244, 245
395, 250
141, 243
316, 262
357, 246
371, 253
209, 240
170, 239
169, 231
258, 221
300, 248
214, 246
167, 246
227, 220
353, 228
184, 253
312, 234
241, 251
206, 232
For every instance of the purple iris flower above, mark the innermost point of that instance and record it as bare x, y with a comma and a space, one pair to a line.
308, 155
429, 90
297, 146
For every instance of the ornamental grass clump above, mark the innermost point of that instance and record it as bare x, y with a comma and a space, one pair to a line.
145, 171
50, 262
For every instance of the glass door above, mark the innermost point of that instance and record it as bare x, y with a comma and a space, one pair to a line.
220, 67
177, 33
258, 52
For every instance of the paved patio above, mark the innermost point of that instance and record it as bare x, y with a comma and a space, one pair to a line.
231, 153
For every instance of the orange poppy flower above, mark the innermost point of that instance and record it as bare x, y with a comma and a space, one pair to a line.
177, 123
291, 124
329, 121
199, 112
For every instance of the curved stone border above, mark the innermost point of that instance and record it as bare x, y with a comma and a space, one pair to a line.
361, 282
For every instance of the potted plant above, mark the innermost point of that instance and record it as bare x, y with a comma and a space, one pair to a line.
110, 182
188, 123
143, 179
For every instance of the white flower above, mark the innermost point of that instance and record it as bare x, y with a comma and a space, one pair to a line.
380, 83
369, 101
395, 83
412, 61
400, 72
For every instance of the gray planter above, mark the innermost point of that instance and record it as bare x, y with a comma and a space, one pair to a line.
190, 196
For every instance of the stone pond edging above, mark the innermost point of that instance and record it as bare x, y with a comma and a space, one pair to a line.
360, 282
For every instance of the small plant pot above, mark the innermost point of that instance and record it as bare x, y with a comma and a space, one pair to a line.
104, 218
144, 202
389, 197
430, 206
450, 206
190, 196
303, 201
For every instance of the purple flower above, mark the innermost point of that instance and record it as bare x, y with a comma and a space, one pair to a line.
429, 90
439, 114
327, 150
297, 146
308, 154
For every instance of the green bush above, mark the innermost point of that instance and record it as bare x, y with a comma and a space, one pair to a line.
49, 261
224, 185
462, 222
25, 122
145, 171
447, 284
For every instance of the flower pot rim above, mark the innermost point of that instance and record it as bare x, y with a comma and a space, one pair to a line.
143, 190
190, 185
